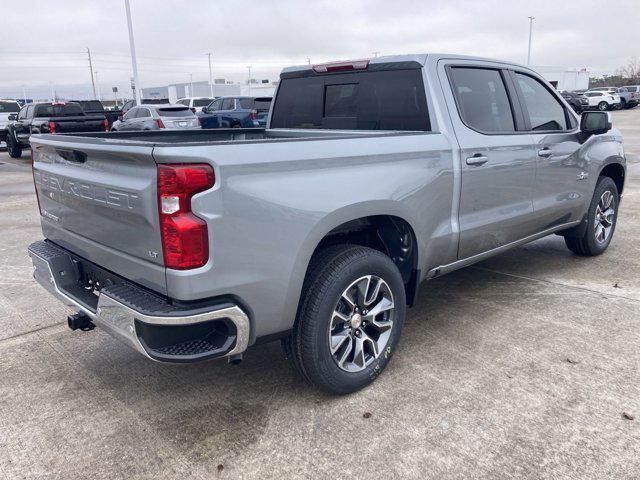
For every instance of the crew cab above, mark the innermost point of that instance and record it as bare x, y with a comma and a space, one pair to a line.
56, 117
371, 178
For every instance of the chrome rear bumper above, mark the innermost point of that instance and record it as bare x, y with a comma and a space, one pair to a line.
140, 318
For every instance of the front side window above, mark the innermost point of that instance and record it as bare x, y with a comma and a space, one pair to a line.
131, 114
201, 102
143, 113
482, 99
545, 111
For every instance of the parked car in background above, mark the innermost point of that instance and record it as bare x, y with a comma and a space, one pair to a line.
95, 107
50, 117
7, 108
236, 112
627, 99
578, 102
157, 117
319, 229
602, 100
145, 101
195, 103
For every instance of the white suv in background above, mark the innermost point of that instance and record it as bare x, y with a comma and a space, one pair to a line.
7, 107
603, 100
195, 103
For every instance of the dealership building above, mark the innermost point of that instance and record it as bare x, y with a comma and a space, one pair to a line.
565, 78
220, 87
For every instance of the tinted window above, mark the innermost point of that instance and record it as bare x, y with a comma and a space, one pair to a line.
215, 105
91, 106
545, 111
384, 100
201, 102
227, 104
62, 110
259, 104
175, 112
482, 99
9, 107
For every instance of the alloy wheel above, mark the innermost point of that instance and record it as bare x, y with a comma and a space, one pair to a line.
605, 215
361, 323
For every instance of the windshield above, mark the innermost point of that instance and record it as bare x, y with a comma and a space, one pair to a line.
9, 107
382, 100
175, 112
58, 110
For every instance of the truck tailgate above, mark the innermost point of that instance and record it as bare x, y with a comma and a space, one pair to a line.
100, 203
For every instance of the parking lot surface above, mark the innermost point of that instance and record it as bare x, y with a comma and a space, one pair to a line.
523, 366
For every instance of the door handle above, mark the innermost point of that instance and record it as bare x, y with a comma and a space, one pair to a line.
545, 152
477, 160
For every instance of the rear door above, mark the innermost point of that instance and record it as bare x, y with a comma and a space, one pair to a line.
100, 203
562, 178
497, 163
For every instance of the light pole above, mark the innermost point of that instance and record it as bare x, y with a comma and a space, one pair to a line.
210, 74
24, 94
132, 46
191, 85
308, 61
93, 83
530, 31
98, 86
249, 82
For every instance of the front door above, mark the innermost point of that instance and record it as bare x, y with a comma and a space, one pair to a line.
562, 183
498, 166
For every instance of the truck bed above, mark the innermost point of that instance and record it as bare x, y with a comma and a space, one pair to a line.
215, 136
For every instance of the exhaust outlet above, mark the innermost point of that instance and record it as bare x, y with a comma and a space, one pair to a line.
80, 321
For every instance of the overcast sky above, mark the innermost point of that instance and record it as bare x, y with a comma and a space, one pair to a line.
43, 42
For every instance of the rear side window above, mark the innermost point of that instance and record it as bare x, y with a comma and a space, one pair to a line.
384, 100
545, 111
227, 104
259, 104
201, 102
175, 112
482, 99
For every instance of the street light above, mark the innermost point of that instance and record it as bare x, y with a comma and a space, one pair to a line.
210, 74
132, 46
530, 30
249, 82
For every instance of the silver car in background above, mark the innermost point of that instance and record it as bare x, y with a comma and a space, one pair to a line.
157, 117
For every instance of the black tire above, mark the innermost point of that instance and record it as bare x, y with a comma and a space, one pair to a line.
603, 106
332, 270
588, 245
13, 147
623, 104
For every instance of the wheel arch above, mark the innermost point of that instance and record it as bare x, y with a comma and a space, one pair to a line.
616, 171
385, 226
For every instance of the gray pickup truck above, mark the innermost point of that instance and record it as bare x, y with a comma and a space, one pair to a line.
371, 177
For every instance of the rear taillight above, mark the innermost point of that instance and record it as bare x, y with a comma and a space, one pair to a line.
185, 240
106, 125
52, 127
254, 114
160, 123
35, 186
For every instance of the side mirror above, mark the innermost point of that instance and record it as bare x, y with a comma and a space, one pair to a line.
12, 117
595, 123
205, 109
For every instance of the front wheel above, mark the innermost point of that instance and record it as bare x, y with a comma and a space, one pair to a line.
13, 147
350, 318
603, 106
601, 221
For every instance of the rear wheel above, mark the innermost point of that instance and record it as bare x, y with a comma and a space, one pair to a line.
601, 221
350, 318
13, 147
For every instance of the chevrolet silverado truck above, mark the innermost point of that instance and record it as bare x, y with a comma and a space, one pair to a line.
371, 177
53, 117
